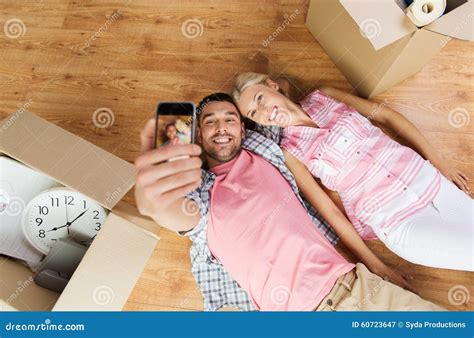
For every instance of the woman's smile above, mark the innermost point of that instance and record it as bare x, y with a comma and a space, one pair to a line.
273, 114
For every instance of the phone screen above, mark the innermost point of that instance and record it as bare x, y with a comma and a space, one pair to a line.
174, 123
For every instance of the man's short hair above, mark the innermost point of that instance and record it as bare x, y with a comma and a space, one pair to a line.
221, 97
214, 97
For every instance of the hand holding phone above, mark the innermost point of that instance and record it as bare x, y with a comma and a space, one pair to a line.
161, 185
175, 124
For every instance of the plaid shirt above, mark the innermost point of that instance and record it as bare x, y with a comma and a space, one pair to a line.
216, 284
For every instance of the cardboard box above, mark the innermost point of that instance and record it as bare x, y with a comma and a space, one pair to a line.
114, 261
375, 45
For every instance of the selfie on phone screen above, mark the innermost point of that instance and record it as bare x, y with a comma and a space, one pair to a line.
175, 124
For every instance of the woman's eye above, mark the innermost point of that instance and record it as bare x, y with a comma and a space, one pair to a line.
252, 114
259, 98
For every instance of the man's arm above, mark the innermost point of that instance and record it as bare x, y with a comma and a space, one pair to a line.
161, 185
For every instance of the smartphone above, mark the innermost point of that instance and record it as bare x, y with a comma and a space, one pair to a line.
175, 123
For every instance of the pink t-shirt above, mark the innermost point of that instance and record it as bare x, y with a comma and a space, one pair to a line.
265, 239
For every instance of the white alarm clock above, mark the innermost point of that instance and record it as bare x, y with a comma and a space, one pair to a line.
60, 213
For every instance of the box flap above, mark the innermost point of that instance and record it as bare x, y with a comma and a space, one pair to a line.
110, 269
458, 23
131, 214
381, 22
424, 44
18, 290
67, 158
338, 34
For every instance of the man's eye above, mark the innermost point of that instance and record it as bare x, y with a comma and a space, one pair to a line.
230, 120
208, 122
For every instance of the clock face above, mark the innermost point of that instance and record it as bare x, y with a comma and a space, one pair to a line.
59, 213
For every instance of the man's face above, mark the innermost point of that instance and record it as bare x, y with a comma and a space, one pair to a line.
221, 131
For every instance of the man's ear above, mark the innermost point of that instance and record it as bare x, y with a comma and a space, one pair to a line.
242, 127
198, 136
272, 84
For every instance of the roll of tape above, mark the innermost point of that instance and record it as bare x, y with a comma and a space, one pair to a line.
424, 12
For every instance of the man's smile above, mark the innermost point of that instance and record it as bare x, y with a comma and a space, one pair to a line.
222, 140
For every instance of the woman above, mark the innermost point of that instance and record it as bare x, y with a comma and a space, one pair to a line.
388, 190
171, 135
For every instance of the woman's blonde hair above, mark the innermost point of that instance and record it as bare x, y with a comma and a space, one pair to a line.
245, 80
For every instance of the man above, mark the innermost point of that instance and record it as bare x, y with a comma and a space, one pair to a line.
248, 223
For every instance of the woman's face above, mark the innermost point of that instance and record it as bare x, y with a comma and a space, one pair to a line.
265, 105
171, 132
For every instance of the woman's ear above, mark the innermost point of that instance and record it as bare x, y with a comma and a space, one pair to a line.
284, 86
272, 84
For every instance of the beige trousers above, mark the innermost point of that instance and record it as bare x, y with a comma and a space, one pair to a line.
361, 290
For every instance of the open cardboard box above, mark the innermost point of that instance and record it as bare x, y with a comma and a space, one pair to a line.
111, 266
375, 45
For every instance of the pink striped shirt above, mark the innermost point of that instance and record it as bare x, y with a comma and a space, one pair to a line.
380, 182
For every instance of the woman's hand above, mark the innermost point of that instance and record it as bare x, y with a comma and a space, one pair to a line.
388, 274
454, 175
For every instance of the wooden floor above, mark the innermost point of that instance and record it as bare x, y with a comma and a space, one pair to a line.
71, 58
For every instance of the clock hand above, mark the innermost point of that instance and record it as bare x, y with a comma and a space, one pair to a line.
82, 213
56, 228
68, 224
67, 220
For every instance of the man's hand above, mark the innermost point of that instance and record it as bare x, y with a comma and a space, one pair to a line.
161, 184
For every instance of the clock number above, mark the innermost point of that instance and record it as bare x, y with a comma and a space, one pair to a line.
69, 200
96, 214
84, 201
42, 234
39, 221
97, 228
43, 210
54, 201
